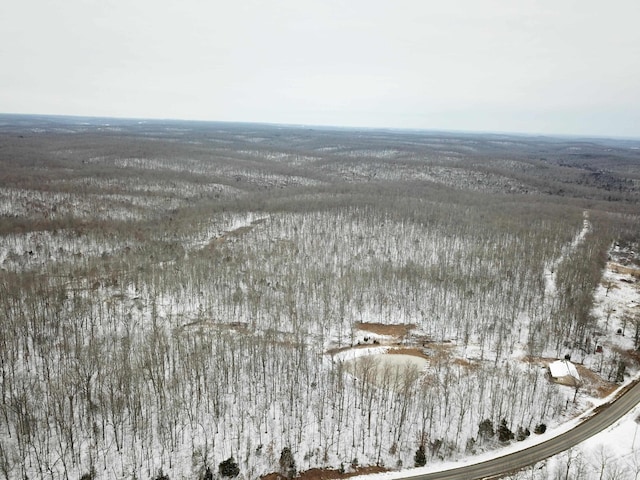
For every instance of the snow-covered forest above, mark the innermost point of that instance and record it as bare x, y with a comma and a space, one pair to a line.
176, 295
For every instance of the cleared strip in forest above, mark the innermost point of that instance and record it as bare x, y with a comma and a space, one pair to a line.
551, 287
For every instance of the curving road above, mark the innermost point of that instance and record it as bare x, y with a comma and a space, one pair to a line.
605, 416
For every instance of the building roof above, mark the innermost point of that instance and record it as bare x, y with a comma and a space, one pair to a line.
563, 368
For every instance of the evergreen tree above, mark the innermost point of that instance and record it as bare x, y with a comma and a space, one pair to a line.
522, 434
504, 434
229, 468
485, 430
540, 429
420, 458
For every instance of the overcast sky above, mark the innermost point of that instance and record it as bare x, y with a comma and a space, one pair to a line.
545, 66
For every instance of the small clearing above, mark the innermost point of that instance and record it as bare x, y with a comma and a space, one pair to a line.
592, 383
397, 331
416, 352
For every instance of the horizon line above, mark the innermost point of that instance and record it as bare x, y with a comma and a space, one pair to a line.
329, 126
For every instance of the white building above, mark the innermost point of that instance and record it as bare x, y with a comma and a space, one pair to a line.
564, 372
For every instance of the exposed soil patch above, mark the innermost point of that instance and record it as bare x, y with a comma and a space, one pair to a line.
594, 384
327, 474
333, 351
440, 351
415, 352
384, 329
616, 267
631, 356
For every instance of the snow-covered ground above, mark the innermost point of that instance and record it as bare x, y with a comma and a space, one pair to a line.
619, 442
613, 453
194, 306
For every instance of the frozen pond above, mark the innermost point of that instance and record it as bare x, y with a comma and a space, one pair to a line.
390, 370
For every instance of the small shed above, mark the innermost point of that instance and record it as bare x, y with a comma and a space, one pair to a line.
564, 372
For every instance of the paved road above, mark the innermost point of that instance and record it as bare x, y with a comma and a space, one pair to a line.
606, 416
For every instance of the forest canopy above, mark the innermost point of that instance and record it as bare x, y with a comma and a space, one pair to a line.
183, 297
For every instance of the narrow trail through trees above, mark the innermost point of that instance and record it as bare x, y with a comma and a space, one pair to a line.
550, 273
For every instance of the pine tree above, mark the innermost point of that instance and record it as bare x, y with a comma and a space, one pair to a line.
229, 468
522, 434
420, 458
485, 430
504, 434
